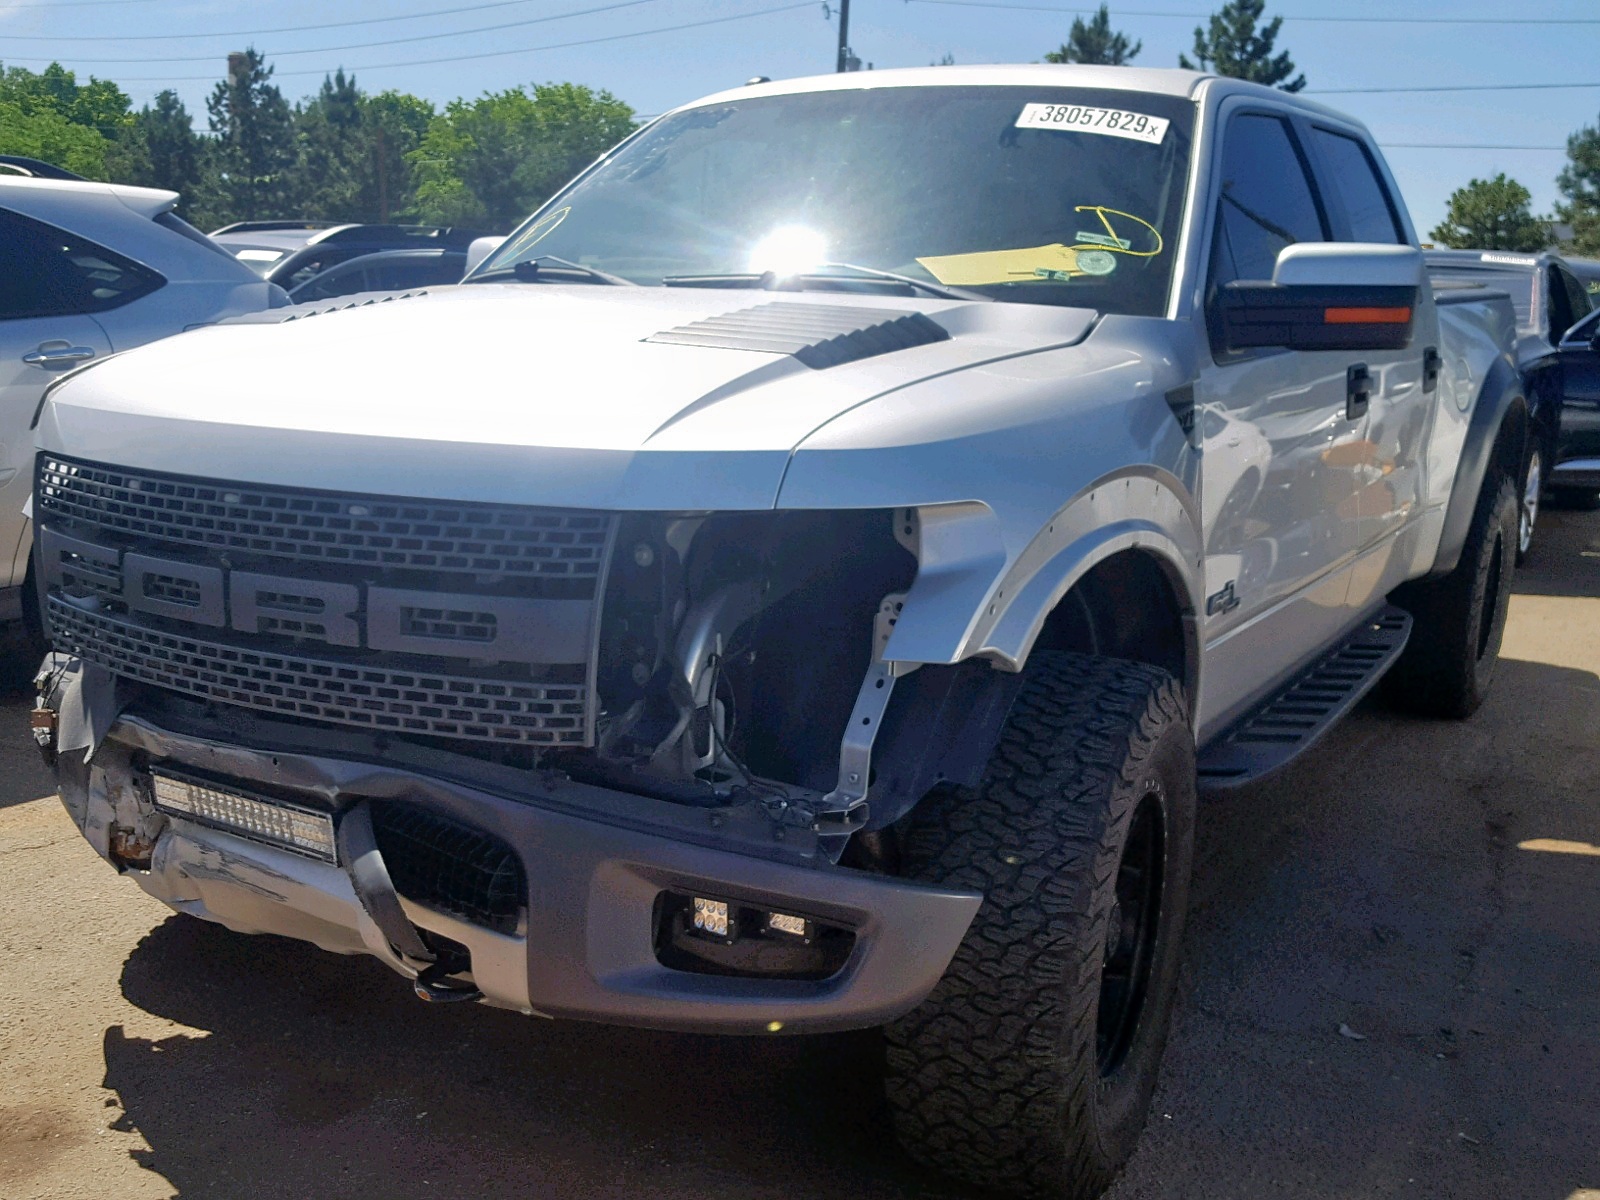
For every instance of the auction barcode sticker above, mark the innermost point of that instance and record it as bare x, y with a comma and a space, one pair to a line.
1080, 118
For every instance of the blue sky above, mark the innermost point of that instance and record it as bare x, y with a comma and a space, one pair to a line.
656, 71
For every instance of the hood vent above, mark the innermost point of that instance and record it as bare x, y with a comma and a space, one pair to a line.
819, 335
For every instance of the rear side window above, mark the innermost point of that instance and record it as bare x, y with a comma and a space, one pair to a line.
1267, 200
1577, 296
1353, 178
49, 272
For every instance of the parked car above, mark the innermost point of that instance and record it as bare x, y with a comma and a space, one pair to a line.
780, 590
90, 269
385, 271
261, 245
1576, 478
305, 253
1548, 299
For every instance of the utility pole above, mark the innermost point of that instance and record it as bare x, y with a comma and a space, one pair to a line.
844, 37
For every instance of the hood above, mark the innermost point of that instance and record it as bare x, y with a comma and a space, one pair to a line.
566, 395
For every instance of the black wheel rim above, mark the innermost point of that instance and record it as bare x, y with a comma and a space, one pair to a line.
1131, 930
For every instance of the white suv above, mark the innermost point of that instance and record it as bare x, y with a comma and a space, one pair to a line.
90, 269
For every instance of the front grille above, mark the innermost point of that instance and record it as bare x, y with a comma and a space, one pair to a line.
372, 531
436, 861
378, 698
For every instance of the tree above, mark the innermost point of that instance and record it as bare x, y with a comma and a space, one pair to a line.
1492, 214
1579, 182
491, 161
161, 149
50, 137
395, 124
1235, 47
332, 150
49, 115
1094, 42
251, 165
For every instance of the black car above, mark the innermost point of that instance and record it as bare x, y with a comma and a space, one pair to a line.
385, 271
1549, 300
1576, 478
288, 253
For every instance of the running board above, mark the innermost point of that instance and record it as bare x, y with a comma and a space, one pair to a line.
1307, 707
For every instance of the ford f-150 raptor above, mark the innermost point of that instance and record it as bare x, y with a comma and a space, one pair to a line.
802, 579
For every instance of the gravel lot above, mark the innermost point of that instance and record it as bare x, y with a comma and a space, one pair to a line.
1430, 887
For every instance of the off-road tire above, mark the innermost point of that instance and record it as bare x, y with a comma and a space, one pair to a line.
1447, 666
998, 1076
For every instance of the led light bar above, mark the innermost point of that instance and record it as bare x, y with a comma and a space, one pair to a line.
287, 826
711, 916
789, 925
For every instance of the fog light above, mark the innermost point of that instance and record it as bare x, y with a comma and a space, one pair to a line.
288, 826
788, 925
711, 916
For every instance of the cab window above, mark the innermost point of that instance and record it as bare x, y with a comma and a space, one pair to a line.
1353, 178
1267, 200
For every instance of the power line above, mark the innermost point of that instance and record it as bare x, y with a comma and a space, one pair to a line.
427, 62
420, 37
1190, 16
237, 33
1464, 87
72, 3
1465, 146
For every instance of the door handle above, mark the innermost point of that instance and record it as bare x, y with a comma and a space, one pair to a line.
57, 354
1358, 391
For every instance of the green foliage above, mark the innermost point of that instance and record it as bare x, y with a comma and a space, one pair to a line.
1579, 182
47, 135
161, 149
490, 162
49, 115
1236, 46
1492, 214
1095, 42
252, 161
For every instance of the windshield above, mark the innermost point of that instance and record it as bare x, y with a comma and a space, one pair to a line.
1042, 195
1519, 283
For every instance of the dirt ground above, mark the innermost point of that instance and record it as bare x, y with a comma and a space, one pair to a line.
1431, 888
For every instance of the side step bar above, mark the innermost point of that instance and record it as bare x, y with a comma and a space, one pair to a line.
1307, 707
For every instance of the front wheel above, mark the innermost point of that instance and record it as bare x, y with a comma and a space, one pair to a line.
1030, 1067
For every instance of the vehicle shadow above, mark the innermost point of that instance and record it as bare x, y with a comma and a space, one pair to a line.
308, 1074
1565, 559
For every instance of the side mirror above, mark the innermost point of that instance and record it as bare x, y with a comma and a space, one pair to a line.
1326, 296
479, 250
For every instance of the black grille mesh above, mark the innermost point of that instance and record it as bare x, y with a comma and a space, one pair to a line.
385, 698
436, 861
356, 530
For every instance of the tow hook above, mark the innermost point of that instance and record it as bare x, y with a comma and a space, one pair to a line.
430, 983
44, 721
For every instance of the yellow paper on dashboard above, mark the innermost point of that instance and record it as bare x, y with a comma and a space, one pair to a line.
1001, 266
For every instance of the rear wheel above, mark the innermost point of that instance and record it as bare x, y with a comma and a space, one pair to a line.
1030, 1067
1528, 514
1449, 662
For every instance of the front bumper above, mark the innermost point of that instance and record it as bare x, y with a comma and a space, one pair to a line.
587, 945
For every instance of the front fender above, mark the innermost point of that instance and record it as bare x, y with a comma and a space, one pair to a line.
969, 602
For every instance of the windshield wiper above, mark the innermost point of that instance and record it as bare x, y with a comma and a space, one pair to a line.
771, 281
529, 270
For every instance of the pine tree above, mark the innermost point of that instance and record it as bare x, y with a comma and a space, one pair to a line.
1492, 214
1094, 42
251, 168
1579, 182
161, 149
1234, 46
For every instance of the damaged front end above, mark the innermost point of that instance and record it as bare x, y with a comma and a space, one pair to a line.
604, 765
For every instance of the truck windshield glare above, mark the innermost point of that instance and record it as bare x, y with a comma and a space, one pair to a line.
1039, 195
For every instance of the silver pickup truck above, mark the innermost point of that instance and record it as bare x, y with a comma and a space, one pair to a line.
801, 580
